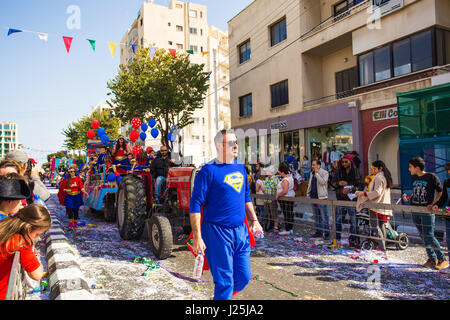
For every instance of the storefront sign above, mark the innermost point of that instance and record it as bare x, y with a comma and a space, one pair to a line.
385, 114
386, 6
279, 125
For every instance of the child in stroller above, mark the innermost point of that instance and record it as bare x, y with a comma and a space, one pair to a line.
363, 229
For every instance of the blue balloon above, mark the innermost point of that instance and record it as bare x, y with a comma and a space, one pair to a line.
155, 133
104, 139
152, 123
119, 178
144, 127
101, 132
143, 136
172, 137
111, 177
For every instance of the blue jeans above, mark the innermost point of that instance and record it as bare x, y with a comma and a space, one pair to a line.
340, 214
425, 224
447, 232
306, 176
321, 219
160, 181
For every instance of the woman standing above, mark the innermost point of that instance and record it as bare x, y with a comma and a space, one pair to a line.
73, 200
286, 189
306, 168
379, 191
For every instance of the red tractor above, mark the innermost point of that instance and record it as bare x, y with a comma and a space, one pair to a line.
135, 209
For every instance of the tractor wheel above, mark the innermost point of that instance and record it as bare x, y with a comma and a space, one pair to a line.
109, 210
161, 239
131, 208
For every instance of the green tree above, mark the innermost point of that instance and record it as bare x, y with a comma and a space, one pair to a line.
165, 88
59, 154
76, 138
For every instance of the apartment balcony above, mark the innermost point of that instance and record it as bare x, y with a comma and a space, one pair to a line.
332, 28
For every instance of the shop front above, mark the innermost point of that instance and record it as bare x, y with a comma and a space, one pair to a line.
380, 139
306, 133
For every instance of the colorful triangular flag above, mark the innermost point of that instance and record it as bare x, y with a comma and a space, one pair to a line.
152, 52
68, 43
10, 31
205, 53
190, 51
173, 52
133, 46
92, 42
43, 36
112, 47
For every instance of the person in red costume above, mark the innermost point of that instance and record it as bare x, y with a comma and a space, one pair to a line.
70, 195
120, 152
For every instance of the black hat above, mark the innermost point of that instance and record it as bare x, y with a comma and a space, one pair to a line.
12, 189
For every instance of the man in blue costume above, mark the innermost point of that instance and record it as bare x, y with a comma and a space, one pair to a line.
222, 188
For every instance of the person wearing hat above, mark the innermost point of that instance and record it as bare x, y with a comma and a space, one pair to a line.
13, 189
36, 185
347, 179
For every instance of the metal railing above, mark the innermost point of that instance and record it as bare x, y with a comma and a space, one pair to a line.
16, 285
404, 217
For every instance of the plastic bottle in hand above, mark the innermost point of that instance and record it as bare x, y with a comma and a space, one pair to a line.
198, 268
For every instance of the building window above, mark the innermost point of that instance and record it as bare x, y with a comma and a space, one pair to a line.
278, 32
179, 46
141, 22
346, 81
194, 48
442, 47
204, 140
245, 52
382, 63
245, 105
201, 32
344, 5
203, 120
193, 13
179, 28
179, 6
193, 30
280, 94
421, 51
169, 24
402, 57
201, 14
366, 68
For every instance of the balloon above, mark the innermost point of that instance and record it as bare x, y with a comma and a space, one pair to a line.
143, 136
95, 124
104, 139
91, 134
117, 174
118, 180
172, 137
152, 123
134, 135
137, 150
111, 177
144, 127
155, 133
136, 123
101, 132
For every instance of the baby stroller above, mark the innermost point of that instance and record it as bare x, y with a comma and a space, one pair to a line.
363, 229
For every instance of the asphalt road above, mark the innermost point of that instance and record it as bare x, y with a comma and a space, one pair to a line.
283, 268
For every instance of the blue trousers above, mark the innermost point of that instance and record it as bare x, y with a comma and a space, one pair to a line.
228, 254
425, 224
160, 181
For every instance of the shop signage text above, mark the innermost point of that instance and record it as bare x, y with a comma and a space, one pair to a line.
385, 114
279, 125
387, 6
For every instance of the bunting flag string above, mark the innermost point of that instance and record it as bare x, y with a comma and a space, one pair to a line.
112, 45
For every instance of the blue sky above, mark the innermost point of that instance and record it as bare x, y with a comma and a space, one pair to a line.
44, 89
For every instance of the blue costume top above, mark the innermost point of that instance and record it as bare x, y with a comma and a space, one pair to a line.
223, 190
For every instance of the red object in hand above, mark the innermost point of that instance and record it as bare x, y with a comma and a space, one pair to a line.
91, 134
95, 124
117, 174
136, 123
376, 261
134, 135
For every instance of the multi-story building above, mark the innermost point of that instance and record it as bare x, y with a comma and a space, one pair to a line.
9, 138
326, 72
183, 26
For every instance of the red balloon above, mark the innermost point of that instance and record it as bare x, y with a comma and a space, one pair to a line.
95, 124
91, 134
136, 123
137, 150
134, 135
